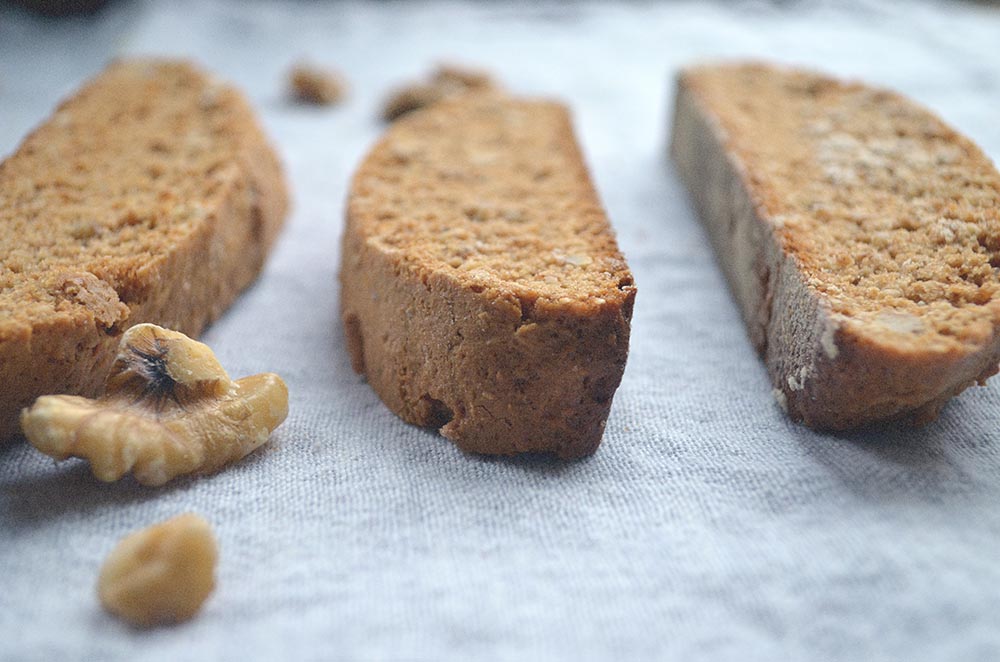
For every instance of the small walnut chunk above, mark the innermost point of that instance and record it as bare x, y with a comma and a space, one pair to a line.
161, 574
407, 99
169, 409
447, 81
311, 84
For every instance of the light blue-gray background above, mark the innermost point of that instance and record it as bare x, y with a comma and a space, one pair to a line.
706, 527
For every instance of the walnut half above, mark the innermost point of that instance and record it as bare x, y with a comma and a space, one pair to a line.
161, 574
169, 409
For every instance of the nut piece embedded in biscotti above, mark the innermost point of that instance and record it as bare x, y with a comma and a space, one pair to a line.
161, 574
447, 81
860, 236
169, 409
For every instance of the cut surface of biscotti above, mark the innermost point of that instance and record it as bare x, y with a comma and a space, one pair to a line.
483, 292
859, 233
149, 196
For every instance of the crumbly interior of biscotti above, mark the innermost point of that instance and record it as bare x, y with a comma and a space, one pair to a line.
116, 177
479, 188
893, 217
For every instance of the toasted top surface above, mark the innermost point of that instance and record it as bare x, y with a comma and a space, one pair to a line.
121, 172
894, 218
493, 191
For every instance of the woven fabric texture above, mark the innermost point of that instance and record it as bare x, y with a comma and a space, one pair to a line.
707, 526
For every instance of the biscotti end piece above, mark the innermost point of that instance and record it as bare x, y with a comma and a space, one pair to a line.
151, 195
483, 292
860, 236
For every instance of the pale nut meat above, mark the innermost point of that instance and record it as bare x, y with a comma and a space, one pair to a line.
161, 574
169, 409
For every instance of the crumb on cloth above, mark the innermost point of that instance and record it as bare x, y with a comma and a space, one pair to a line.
316, 85
446, 81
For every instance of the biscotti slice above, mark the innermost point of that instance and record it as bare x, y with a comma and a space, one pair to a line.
483, 292
860, 236
150, 196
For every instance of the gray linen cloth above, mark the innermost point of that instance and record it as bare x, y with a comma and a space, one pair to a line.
707, 526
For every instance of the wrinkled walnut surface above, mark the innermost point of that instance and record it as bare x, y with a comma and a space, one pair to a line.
169, 409
161, 574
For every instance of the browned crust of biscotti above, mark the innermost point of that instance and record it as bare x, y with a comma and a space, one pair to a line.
832, 366
442, 330
195, 245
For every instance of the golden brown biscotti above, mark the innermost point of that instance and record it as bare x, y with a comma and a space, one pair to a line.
482, 288
859, 234
149, 196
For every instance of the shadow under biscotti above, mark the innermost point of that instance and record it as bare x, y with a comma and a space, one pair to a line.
900, 460
45, 491
539, 463
420, 445
9, 448
69, 488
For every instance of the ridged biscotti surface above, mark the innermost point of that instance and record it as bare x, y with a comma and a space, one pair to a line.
149, 196
860, 236
482, 290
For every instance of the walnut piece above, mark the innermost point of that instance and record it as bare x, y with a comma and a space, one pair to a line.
169, 409
447, 81
311, 84
161, 574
